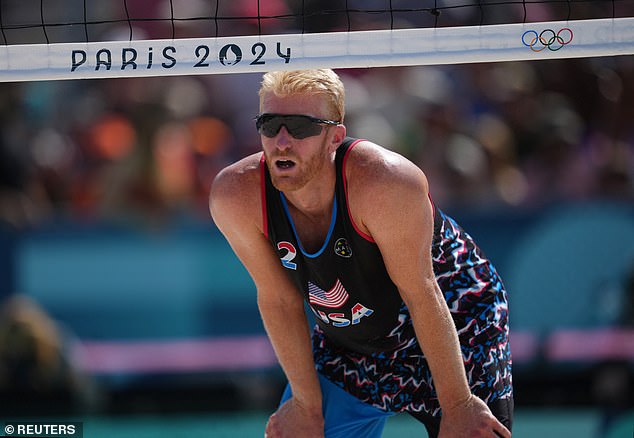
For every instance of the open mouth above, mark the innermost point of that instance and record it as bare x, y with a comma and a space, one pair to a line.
284, 164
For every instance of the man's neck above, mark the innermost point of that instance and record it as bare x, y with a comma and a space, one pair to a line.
316, 197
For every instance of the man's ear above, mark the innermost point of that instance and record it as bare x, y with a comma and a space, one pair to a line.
338, 134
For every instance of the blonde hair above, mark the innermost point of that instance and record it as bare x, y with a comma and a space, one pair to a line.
324, 82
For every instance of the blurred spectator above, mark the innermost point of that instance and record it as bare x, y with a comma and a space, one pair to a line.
37, 373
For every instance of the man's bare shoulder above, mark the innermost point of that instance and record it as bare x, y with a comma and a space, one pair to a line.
239, 178
236, 189
371, 166
380, 183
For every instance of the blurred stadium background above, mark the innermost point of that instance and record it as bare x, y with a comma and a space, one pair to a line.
123, 306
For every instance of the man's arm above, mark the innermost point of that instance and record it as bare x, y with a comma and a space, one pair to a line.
388, 196
235, 206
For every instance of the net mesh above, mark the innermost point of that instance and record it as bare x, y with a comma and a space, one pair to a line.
65, 21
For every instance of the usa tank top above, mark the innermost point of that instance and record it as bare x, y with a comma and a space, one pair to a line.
345, 283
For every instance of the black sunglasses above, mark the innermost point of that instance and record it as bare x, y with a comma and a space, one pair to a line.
298, 126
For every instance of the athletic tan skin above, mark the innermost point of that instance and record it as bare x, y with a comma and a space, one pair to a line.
385, 194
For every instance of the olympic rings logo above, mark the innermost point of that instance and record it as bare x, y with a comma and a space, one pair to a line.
547, 38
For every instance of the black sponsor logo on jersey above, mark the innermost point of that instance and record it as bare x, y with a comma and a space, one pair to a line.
342, 248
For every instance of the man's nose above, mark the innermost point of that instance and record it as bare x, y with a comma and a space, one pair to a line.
282, 140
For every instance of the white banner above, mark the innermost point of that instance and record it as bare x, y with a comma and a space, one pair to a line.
450, 45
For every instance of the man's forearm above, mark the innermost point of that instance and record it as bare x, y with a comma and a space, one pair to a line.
437, 335
288, 330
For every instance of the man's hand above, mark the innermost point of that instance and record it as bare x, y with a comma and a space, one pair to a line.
293, 420
471, 418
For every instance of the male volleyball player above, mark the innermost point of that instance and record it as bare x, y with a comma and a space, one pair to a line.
410, 315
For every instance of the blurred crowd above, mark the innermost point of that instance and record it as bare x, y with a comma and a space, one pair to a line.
518, 134
515, 133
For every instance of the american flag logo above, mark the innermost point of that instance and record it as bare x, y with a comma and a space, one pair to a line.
333, 298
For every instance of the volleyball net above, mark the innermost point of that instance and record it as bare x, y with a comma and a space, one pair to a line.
80, 39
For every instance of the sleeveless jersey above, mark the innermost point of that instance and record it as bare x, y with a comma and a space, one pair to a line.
364, 340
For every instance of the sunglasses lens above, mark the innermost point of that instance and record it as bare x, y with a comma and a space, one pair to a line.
268, 126
302, 127
298, 127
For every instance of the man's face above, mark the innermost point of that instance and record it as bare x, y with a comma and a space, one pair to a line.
294, 162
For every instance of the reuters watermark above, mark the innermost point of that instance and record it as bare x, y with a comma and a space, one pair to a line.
50, 429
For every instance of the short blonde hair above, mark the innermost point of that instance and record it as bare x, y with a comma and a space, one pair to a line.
323, 82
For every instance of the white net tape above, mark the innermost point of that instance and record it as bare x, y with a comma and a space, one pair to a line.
381, 48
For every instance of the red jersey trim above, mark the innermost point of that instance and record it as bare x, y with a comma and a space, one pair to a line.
265, 219
433, 206
345, 189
